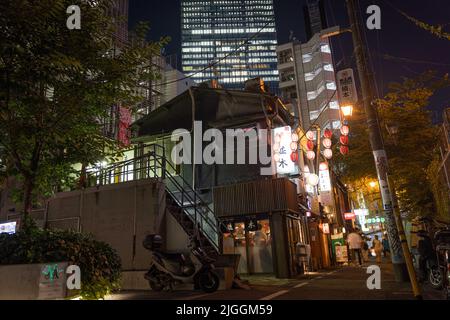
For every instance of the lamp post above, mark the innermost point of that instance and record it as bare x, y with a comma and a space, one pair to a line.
401, 257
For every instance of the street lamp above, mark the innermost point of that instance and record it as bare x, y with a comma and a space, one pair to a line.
372, 184
347, 110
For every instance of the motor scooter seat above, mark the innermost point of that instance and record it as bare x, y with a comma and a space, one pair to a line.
175, 257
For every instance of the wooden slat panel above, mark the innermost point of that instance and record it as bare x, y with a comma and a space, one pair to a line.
255, 197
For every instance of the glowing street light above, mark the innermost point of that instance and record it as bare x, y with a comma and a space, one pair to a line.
347, 110
372, 184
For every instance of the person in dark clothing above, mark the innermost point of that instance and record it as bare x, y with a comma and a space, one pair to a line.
386, 249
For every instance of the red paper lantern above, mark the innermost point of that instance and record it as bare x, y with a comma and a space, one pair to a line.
310, 155
345, 130
327, 143
343, 140
343, 150
309, 145
328, 133
294, 156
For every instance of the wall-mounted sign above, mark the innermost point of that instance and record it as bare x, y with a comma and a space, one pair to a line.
326, 228
324, 180
8, 227
346, 87
281, 147
52, 282
349, 215
124, 125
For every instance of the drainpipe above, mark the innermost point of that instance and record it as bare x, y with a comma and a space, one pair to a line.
191, 93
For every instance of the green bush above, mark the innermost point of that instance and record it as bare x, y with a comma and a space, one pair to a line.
99, 263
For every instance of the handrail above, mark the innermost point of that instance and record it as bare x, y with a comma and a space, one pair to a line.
201, 209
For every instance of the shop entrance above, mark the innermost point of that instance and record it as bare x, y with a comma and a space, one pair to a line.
251, 238
296, 233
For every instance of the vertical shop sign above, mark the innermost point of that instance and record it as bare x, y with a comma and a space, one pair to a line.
124, 126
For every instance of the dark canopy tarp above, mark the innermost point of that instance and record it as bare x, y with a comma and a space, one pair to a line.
218, 108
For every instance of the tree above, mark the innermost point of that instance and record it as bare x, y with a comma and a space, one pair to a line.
57, 84
409, 136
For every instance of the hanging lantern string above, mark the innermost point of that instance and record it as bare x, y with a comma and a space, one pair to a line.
314, 123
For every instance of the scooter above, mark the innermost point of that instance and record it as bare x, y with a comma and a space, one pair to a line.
428, 267
170, 269
442, 240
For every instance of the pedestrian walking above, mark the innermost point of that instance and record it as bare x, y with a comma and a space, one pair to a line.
386, 249
378, 247
355, 241
365, 250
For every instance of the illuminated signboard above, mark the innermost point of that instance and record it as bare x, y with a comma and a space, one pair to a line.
349, 216
326, 228
361, 212
8, 227
282, 138
324, 180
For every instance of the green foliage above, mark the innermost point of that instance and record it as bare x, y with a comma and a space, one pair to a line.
410, 151
58, 85
439, 189
99, 264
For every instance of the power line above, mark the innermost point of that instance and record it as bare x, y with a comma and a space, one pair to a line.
238, 49
318, 117
390, 57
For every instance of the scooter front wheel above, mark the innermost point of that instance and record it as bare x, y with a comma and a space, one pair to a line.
435, 277
209, 281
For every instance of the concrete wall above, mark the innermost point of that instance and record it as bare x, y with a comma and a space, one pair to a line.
23, 282
119, 214
176, 239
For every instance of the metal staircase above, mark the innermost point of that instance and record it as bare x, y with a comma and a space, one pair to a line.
184, 203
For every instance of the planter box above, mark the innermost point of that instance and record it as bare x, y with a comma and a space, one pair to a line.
33, 281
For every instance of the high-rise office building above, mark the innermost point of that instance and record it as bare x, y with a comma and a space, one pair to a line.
119, 12
212, 29
315, 18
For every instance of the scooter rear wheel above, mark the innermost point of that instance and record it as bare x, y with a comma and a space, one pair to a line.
156, 285
209, 281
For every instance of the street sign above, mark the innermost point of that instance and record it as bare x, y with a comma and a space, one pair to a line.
346, 87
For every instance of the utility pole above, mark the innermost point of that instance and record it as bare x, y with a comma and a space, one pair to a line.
397, 239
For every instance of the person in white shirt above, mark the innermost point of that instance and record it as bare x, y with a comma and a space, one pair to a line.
355, 242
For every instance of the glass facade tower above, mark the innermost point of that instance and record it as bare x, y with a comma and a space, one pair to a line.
212, 29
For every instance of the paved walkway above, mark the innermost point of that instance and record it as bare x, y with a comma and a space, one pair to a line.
345, 283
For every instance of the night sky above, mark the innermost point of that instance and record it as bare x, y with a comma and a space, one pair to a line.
399, 37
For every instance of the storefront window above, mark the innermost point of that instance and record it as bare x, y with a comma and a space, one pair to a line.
260, 248
240, 245
254, 246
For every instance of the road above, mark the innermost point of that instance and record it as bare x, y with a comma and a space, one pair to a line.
346, 283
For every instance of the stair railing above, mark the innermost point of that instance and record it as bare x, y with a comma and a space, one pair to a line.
154, 164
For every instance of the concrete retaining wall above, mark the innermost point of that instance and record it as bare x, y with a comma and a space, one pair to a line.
24, 282
119, 214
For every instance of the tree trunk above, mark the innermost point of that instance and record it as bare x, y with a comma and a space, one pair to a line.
28, 187
83, 176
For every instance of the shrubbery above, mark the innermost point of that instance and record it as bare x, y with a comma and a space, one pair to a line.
100, 264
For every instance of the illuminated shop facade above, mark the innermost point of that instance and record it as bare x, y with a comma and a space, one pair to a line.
211, 29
